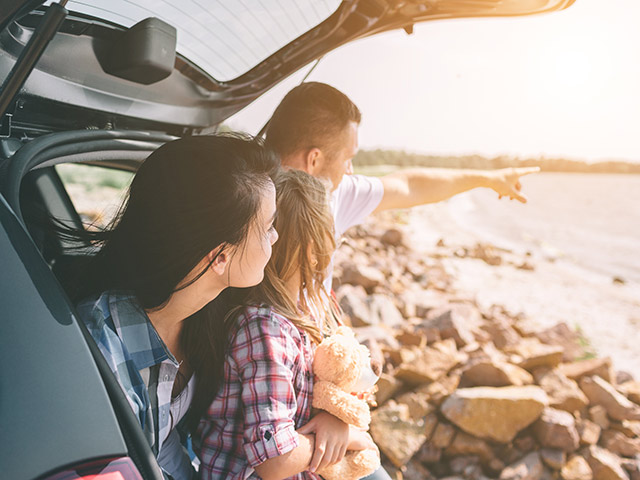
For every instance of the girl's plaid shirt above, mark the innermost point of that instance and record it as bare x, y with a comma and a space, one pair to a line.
264, 398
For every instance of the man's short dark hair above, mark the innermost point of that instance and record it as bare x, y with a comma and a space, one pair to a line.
312, 115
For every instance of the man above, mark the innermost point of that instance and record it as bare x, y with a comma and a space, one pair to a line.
315, 129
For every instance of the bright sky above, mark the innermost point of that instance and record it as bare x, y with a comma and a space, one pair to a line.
562, 84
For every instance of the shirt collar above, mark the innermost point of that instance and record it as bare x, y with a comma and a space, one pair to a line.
136, 331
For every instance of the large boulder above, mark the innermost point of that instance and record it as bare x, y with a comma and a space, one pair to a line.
557, 429
601, 392
495, 413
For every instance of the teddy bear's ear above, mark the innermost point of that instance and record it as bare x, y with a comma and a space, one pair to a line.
346, 331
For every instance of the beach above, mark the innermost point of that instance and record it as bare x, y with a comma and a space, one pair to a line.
574, 250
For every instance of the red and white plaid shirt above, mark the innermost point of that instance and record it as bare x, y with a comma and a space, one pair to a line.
265, 396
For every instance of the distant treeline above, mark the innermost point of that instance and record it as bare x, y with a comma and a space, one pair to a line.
403, 159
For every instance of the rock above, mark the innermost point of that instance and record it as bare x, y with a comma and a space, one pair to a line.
556, 429
496, 374
487, 253
387, 385
392, 237
414, 470
528, 468
418, 303
623, 377
429, 454
602, 393
598, 415
430, 423
380, 333
411, 336
588, 367
588, 431
501, 332
561, 335
363, 275
418, 404
468, 466
442, 436
455, 321
438, 391
618, 443
352, 301
465, 444
495, 413
563, 392
632, 466
605, 465
631, 389
382, 306
576, 468
631, 428
397, 435
553, 458
525, 443
535, 354
429, 364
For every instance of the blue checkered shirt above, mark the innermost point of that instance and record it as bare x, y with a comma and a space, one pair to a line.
139, 359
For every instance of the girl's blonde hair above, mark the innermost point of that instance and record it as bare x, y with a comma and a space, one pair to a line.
305, 244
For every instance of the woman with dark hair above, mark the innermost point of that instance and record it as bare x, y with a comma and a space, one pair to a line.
198, 219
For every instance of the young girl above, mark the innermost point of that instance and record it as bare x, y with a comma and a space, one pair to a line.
198, 219
259, 423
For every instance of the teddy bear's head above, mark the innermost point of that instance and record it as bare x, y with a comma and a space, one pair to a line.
342, 360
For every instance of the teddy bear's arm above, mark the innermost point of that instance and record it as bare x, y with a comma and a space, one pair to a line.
348, 408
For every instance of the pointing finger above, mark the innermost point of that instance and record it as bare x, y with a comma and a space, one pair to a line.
520, 171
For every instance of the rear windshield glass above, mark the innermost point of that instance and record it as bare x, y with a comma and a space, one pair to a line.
224, 38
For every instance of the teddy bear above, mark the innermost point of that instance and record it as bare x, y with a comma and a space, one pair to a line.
343, 368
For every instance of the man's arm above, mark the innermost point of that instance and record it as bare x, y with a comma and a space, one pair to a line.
408, 188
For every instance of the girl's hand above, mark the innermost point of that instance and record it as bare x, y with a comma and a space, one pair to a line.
359, 439
332, 439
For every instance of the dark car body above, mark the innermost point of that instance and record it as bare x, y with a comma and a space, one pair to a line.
60, 407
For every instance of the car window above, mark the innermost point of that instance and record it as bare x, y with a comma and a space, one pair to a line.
225, 39
96, 192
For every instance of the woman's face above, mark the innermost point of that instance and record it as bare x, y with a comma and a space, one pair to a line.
249, 259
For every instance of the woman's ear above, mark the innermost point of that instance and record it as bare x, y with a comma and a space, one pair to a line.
218, 260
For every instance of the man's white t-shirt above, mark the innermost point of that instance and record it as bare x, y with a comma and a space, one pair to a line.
355, 198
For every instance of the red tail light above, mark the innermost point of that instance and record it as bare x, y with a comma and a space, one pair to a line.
106, 469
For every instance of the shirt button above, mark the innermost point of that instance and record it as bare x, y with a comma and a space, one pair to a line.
166, 377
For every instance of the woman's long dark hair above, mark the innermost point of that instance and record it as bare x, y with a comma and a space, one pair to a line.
188, 198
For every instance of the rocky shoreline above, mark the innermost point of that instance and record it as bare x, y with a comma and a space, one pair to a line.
473, 391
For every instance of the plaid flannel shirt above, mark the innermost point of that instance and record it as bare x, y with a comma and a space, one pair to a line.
264, 398
137, 356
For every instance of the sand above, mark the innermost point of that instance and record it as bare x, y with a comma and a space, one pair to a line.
576, 251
